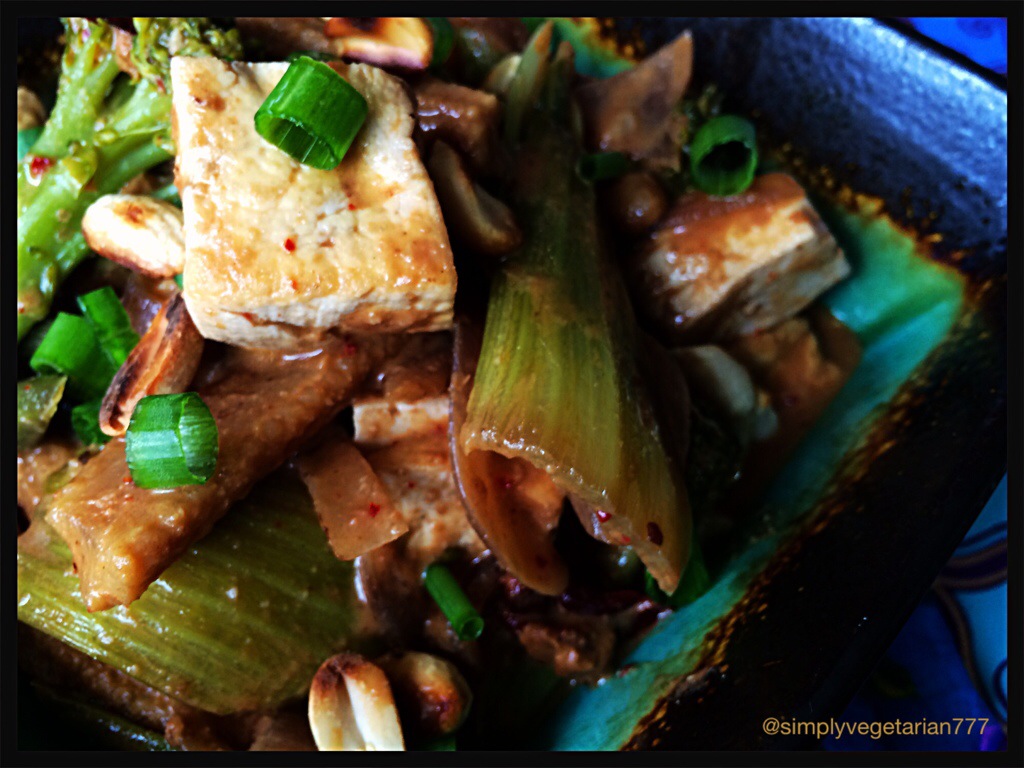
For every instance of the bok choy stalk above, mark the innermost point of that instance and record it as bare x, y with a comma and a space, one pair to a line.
103, 131
241, 622
558, 383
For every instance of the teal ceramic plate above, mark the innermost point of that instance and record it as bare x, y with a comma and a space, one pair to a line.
857, 525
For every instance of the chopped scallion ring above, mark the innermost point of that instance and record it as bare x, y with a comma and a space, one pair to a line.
71, 348
113, 327
444, 39
602, 165
171, 441
442, 586
312, 114
723, 155
315, 55
85, 419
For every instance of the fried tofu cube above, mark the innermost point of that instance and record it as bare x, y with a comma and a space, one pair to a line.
279, 254
406, 443
722, 267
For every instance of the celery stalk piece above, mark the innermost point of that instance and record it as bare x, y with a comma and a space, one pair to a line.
558, 383
242, 621
38, 399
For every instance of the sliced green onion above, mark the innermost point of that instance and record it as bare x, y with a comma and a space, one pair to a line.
109, 319
694, 582
602, 165
315, 55
26, 138
85, 419
723, 155
441, 744
453, 602
71, 348
38, 398
179, 280
444, 39
168, 193
313, 114
171, 441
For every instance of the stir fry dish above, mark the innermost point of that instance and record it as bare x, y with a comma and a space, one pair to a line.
378, 373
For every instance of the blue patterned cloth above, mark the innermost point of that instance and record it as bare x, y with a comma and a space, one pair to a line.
949, 661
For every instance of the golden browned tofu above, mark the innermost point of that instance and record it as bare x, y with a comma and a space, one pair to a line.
279, 254
723, 267
266, 404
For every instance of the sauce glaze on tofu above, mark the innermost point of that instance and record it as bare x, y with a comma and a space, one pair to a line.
278, 254
724, 267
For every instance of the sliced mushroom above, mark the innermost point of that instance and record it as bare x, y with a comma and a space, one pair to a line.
513, 505
354, 508
637, 111
351, 708
464, 117
480, 220
433, 697
31, 111
163, 362
397, 42
139, 232
143, 297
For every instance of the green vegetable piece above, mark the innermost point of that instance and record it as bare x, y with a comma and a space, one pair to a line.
220, 629
171, 441
85, 419
103, 131
38, 399
70, 348
444, 39
602, 165
107, 315
723, 155
453, 602
694, 583
558, 381
313, 114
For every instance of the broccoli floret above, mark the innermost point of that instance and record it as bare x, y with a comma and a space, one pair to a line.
105, 129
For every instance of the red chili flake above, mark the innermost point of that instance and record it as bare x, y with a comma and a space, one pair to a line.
603, 516
654, 534
351, 206
289, 244
374, 509
39, 165
625, 670
27, 387
351, 348
160, 85
626, 540
127, 479
295, 284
